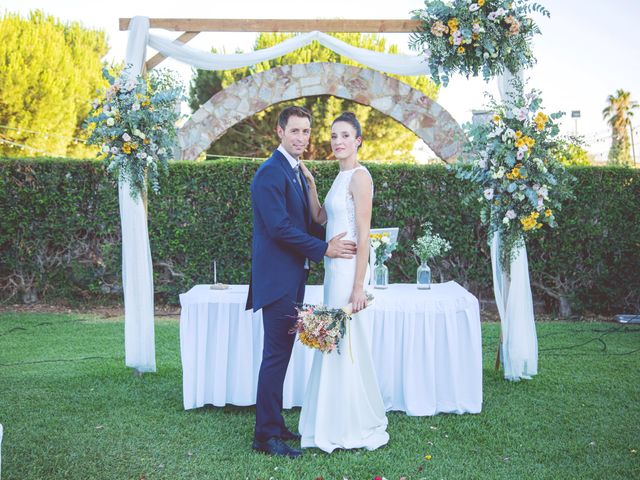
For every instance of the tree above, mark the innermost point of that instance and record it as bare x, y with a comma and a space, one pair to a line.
384, 138
49, 72
618, 114
571, 151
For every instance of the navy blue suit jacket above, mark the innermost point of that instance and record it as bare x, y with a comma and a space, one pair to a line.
282, 233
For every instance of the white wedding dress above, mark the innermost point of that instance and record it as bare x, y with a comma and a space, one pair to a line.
342, 406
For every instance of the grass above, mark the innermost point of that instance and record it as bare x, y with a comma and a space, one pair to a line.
71, 410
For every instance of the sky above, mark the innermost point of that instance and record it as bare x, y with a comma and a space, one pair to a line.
586, 52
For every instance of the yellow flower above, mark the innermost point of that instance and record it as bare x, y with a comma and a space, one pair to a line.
460, 49
453, 24
496, 118
480, 3
475, 36
520, 143
530, 142
451, 40
428, 457
518, 134
548, 212
126, 148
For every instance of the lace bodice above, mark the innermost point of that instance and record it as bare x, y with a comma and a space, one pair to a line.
340, 208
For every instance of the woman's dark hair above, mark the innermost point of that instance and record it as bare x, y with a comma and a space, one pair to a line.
351, 119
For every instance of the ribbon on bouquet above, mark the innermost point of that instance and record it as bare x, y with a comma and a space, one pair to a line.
348, 309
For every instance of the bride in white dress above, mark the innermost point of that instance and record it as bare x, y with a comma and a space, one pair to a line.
343, 407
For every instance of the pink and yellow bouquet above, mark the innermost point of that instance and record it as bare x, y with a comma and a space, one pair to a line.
321, 327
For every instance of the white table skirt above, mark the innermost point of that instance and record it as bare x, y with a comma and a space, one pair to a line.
426, 345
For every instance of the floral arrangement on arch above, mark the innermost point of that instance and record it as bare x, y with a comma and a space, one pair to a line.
511, 159
382, 246
134, 123
473, 36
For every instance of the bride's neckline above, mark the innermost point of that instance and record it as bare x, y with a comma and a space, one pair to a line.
351, 169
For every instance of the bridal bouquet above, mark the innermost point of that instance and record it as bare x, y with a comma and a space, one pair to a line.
321, 327
469, 36
512, 161
134, 124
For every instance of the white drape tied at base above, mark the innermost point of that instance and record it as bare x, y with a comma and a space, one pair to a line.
515, 305
137, 269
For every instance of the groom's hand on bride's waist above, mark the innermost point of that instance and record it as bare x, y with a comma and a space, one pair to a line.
339, 248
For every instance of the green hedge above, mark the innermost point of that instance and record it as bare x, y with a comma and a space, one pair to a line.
60, 234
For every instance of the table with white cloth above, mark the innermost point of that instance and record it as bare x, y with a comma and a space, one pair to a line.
426, 346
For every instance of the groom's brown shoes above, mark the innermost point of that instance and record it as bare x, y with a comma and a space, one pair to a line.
275, 446
287, 435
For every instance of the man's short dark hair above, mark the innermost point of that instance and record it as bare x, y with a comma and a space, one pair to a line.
294, 111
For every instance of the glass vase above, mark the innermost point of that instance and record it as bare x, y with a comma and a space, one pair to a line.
380, 276
423, 276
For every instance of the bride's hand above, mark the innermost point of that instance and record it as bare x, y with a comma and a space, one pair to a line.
307, 174
358, 299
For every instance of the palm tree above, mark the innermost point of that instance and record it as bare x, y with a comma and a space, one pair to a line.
618, 114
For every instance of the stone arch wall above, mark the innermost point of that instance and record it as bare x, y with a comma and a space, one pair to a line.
250, 95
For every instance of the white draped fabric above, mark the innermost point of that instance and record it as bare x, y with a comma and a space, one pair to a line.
137, 269
513, 296
385, 62
426, 346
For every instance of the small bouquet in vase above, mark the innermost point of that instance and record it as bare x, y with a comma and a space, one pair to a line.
321, 327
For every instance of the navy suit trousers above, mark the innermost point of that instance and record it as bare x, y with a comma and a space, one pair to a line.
277, 318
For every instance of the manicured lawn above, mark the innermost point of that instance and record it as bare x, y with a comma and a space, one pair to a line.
71, 410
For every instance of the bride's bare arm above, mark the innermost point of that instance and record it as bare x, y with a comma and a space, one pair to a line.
361, 188
318, 213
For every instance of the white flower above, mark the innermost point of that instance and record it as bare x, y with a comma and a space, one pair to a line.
485, 55
114, 150
501, 12
476, 28
126, 137
105, 149
110, 122
142, 155
491, 16
385, 239
130, 85
106, 109
511, 214
135, 107
519, 196
161, 151
488, 193
473, 7
520, 155
138, 133
544, 192
505, 220
482, 163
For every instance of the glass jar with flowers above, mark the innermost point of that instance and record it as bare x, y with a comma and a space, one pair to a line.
427, 246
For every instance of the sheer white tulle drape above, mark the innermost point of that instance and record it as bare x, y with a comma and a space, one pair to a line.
137, 269
513, 295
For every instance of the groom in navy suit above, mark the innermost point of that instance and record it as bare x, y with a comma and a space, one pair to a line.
283, 244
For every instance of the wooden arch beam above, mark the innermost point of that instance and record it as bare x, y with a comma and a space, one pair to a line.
279, 25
